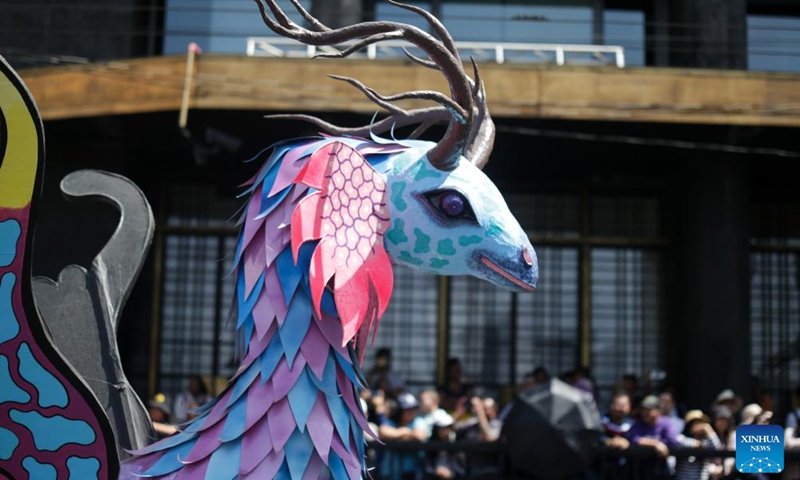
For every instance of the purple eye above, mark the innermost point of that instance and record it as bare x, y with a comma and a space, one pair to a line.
452, 204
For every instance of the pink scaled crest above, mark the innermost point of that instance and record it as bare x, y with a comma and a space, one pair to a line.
348, 216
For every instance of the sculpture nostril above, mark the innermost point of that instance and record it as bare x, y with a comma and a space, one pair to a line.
526, 255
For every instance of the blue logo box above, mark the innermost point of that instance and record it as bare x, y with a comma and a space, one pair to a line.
759, 449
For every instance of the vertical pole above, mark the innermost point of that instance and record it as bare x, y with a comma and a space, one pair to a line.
598, 27
151, 28
443, 330
188, 80
219, 274
513, 347
585, 283
158, 283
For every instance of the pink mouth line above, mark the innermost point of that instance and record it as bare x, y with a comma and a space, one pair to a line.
506, 275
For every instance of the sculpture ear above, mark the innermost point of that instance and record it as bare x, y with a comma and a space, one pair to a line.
348, 216
82, 308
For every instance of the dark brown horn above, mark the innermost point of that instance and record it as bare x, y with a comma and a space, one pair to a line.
463, 135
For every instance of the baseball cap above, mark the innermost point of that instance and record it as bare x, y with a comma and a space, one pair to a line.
406, 401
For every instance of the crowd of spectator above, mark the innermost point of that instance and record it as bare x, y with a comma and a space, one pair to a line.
656, 422
450, 414
635, 417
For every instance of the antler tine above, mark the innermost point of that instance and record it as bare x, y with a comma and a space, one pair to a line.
435, 24
477, 84
371, 94
420, 61
316, 24
280, 16
384, 100
481, 139
446, 153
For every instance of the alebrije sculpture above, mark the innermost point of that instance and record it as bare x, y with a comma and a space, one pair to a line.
325, 220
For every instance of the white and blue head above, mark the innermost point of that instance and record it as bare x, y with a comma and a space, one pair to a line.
455, 222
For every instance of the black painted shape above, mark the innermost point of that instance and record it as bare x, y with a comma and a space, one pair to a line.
82, 309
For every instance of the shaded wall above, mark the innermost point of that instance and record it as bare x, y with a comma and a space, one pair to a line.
91, 29
696, 33
709, 341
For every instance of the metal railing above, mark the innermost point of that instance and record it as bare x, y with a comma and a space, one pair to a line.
482, 51
635, 463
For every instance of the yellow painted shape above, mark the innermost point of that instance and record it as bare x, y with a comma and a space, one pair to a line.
18, 169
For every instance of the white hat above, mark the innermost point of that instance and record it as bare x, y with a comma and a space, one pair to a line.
750, 412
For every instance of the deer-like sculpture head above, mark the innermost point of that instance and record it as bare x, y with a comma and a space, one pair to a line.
446, 216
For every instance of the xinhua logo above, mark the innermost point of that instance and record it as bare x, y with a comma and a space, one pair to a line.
759, 449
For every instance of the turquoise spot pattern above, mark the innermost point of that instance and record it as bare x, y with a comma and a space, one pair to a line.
51, 392
397, 234
8, 443
39, 471
439, 263
52, 433
423, 243
397, 196
9, 391
408, 258
466, 241
9, 327
446, 247
9, 235
421, 172
87, 468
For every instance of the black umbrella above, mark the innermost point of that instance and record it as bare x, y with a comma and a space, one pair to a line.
552, 431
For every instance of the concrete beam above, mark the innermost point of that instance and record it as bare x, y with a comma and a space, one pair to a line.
514, 91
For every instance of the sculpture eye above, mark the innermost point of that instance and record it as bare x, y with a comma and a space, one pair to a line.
451, 204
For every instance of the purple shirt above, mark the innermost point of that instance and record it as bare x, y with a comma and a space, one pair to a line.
663, 430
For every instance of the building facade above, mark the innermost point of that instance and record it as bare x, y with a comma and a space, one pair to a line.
668, 245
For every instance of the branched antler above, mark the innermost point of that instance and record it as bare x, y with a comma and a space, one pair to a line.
464, 136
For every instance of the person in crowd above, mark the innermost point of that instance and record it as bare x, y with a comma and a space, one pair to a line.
617, 421
430, 412
630, 384
187, 402
725, 428
698, 433
161, 416
791, 437
728, 399
582, 380
568, 377
484, 426
764, 418
378, 407
539, 376
759, 396
455, 389
670, 410
443, 464
405, 425
616, 424
381, 376
653, 430
754, 414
